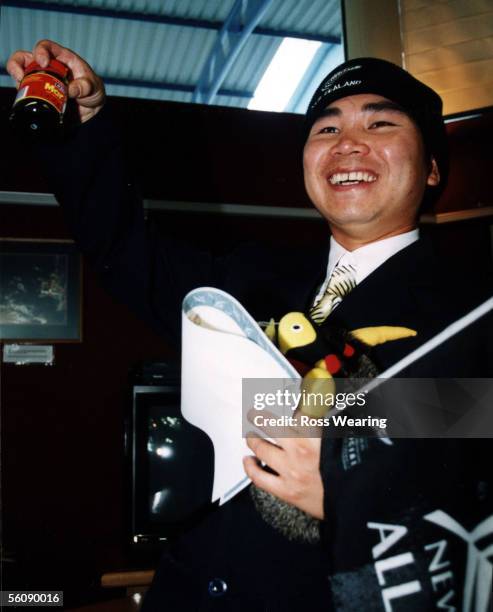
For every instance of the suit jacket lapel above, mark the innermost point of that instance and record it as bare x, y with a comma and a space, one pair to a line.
386, 295
391, 295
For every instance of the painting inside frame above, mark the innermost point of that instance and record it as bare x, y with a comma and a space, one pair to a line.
40, 291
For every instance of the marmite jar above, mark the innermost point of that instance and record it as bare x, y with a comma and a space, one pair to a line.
41, 100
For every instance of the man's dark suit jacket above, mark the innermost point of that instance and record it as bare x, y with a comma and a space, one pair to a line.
374, 493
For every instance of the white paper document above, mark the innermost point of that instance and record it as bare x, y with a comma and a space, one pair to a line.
221, 345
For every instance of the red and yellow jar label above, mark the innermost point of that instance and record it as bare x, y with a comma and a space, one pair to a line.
43, 86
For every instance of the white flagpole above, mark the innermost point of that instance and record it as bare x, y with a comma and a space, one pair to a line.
450, 331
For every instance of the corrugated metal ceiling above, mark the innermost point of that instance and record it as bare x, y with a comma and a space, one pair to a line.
138, 55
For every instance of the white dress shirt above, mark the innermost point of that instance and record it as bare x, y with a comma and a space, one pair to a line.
367, 258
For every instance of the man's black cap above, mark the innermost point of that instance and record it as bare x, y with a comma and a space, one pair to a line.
376, 76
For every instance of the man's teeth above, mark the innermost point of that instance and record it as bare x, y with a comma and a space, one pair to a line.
351, 178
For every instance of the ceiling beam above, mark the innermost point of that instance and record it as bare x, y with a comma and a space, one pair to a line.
233, 93
93, 11
239, 24
160, 85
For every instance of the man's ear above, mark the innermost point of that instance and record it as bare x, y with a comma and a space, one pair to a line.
434, 176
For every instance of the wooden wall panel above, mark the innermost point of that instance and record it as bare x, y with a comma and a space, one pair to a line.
449, 46
431, 13
442, 57
460, 76
447, 33
455, 101
412, 5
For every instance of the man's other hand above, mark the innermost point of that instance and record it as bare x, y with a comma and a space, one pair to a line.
85, 86
296, 462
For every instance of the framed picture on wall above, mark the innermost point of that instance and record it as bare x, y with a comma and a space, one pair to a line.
40, 291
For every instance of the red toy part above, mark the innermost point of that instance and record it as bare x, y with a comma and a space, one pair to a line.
348, 351
333, 363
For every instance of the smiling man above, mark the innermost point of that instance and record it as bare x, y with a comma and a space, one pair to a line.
351, 524
375, 156
365, 169
370, 152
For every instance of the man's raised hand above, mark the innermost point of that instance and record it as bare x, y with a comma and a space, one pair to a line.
85, 86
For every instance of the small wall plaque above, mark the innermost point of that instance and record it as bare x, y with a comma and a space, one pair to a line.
23, 354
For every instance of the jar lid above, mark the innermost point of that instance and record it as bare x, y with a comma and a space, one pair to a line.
53, 66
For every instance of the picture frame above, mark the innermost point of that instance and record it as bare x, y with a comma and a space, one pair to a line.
40, 291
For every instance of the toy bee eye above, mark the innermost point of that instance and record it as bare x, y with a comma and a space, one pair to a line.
296, 327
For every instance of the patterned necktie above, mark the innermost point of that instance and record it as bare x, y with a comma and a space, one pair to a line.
342, 281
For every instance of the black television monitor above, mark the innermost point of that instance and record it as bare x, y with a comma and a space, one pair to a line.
171, 464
